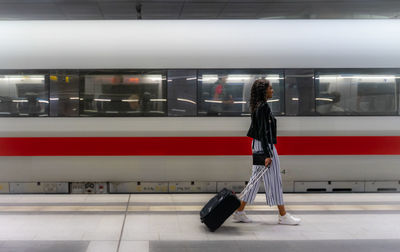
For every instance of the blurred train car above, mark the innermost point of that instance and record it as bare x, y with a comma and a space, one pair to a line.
163, 106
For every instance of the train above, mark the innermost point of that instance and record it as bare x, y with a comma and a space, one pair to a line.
162, 106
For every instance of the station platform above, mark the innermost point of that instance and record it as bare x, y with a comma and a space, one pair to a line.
170, 222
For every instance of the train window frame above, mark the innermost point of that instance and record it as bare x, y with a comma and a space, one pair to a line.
381, 71
84, 72
46, 88
280, 71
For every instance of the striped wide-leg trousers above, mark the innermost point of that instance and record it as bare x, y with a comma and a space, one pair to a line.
272, 179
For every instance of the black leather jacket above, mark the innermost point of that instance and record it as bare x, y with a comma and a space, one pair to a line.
263, 128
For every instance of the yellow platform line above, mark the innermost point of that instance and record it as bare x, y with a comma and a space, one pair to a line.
193, 208
62, 208
267, 208
332, 208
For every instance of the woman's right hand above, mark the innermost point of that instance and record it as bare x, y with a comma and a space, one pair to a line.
267, 161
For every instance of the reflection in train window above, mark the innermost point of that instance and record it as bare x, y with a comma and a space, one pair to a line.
227, 93
299, 92
23, 95
64, 93
123, 95
182, 93
356, 93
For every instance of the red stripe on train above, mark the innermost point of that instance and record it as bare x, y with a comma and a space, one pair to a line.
196, 146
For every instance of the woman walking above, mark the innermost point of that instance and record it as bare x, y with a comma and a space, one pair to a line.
263, 131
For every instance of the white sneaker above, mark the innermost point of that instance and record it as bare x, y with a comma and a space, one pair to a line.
288, 219
241, 216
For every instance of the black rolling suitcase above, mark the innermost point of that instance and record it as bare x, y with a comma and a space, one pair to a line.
221, 206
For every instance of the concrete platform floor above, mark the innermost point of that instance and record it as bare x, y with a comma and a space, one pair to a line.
170, 222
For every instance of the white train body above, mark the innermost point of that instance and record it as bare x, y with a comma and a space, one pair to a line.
230, 44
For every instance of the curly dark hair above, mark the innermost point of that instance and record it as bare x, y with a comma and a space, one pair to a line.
258, 93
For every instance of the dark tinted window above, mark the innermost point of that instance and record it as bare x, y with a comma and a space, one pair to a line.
356, 92
64, 93
23, 95
182, 93
299, 92
227, 93
125, 94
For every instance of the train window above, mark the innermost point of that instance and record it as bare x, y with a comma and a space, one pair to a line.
361, 92
64, 93
227, 92
182, 97
299, 92
23, 95
124, 94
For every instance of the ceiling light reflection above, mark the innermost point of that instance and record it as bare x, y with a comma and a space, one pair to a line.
186, 100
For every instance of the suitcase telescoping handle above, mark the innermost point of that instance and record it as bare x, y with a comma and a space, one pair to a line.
252, 181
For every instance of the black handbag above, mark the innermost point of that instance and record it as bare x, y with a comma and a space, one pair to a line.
259, 158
